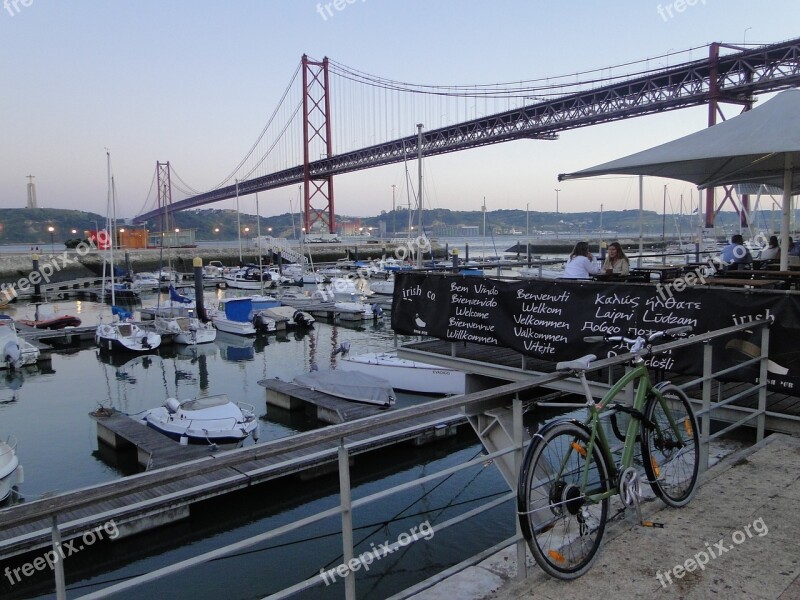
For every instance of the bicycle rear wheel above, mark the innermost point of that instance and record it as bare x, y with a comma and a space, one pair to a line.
563, 528
671, 453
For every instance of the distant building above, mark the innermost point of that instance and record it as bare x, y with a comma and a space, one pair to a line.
31, 193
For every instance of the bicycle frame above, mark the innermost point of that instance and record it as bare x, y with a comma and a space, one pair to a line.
640, 376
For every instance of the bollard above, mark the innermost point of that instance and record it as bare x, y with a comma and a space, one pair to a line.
466, 253
455, 260
200, 309
528, 250
280, 263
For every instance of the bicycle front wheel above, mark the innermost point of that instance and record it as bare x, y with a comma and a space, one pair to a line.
670, 446
559, 519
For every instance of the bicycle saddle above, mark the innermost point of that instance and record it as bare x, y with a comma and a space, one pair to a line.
579, 364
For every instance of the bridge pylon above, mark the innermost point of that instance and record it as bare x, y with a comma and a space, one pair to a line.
317, 191
164, 192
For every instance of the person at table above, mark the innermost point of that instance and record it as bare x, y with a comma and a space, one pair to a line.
616, 262
581, 263
736, 254
794, 248
772, 251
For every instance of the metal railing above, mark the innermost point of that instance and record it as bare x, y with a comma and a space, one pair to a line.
483, 402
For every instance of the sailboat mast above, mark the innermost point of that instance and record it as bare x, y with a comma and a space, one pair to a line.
419, 185
258, 237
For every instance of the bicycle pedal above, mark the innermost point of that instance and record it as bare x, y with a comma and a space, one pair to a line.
652, 524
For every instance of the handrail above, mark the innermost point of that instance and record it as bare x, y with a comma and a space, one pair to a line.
54, 506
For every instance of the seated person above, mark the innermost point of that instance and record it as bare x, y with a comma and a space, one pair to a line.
735, 253
772, 251
616, 262
794, 248
581, 263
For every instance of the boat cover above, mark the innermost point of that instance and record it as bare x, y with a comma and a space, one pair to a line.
351, 385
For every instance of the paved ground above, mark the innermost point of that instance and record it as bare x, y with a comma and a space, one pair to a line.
749, 504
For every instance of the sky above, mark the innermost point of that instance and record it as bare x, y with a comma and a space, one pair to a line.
194, 82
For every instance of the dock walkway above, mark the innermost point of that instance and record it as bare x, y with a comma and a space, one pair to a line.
154, 498
747, 503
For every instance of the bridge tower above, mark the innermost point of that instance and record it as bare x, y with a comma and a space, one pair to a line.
317, 191
164, 181
715, 97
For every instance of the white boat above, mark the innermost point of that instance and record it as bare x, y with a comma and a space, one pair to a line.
385, 287
145, 281
235, 315
187, 330
204, 420
126, 337
287, 317
407, 375
249, 277
357, 310
11, 474
299, 275
16, 351
353, 385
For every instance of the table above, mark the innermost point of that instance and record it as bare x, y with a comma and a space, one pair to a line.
739, 282
666, 272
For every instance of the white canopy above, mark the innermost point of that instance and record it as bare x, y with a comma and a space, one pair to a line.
758, 146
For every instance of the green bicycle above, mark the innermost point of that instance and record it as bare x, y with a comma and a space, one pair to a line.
568, 474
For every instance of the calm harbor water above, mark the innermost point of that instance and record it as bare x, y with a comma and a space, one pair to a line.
47, 410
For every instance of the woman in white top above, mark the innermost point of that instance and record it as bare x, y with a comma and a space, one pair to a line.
581, 263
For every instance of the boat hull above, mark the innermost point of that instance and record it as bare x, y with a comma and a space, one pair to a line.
109, 338
234, 327
407, 375
204, 420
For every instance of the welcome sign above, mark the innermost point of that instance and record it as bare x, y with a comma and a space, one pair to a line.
549, 320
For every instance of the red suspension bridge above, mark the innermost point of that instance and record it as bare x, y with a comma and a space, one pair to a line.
330, 118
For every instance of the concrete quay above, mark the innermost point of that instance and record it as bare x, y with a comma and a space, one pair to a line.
746, 504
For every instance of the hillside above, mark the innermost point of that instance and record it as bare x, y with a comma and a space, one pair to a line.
30, 226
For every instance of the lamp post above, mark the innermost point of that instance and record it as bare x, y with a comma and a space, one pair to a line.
51, 229
527, 221
557, 190
558, 228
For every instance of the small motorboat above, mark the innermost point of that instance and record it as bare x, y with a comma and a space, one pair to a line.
287, 317
349, 385
15, 352
187, 330
409, 375
124, 335
11, 474
210, 419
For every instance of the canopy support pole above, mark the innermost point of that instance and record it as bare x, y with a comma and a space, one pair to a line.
786, 211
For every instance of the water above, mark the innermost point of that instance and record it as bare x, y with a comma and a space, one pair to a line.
47, 410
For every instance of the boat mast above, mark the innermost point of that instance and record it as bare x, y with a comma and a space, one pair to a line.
258, 237
419, 194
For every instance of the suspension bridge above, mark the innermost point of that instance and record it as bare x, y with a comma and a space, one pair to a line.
333, 119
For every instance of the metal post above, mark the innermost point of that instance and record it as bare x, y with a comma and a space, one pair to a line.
705, 421
347, 520
200, 310
37, 286
762, 380
58, 565
516, 411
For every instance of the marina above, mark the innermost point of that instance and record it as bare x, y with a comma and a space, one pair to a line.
540, 341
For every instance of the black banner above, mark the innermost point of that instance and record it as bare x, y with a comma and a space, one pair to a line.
549, 319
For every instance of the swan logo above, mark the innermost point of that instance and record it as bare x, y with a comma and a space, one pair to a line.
419, 322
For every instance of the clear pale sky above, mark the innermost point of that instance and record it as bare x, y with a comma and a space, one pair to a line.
194, 82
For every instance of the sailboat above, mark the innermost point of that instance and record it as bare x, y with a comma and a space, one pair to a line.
122, 334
